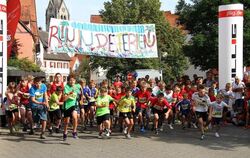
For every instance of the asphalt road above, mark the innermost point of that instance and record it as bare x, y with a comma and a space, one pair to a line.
234, 142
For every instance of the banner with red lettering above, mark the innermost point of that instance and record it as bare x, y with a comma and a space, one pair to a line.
120, 41
13, 16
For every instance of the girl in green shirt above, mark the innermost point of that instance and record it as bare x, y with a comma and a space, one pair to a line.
103, 113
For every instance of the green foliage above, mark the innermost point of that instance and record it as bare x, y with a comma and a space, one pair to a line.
23, 64
169, 40
201, 19
83, 70
15, 49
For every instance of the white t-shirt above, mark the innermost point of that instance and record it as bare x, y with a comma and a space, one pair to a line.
201, 103
228, 96
238, 95
169, 97
155, 90
218, 109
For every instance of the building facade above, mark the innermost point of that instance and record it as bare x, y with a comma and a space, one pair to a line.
56, 9
27, 30
52, 63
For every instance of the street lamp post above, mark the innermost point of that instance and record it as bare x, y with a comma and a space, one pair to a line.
161, 54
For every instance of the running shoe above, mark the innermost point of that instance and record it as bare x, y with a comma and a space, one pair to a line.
156, 131
128, 136
161, 128
75, 135
107, 132
125, 130
142, 130
202, 136
217, 135
65, 137
194, 125
170, 126
42, 136
50, 131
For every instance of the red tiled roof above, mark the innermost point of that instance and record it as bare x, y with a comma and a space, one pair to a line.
72, 62
28, 14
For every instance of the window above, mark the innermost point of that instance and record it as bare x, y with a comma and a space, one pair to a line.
61, 17
51, 64
44, 63
65, 65
59, 65
64, 17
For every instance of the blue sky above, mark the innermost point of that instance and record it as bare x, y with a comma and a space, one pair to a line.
80, 10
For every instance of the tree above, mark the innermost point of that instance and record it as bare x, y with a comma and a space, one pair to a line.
15, 48
23, 64
169, 39
201, 19
83, 70
180, 6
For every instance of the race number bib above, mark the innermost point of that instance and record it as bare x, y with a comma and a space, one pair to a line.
38, 95
217, 114
184, 106
157, 107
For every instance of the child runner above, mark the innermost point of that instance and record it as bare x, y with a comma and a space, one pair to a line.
142, 100
56, 83
185, 107
216, 112
134, 87
12, 106
112, 93
84, 103
54, 110
228, 97
103, 113
25, 109
125, 106
177, 97
118, 95
39, 103
201, 101
160, 108
71, 91
92, 100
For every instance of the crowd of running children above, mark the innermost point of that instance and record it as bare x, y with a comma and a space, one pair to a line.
56, 105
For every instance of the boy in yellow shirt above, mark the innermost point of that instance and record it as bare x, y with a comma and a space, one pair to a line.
125, 106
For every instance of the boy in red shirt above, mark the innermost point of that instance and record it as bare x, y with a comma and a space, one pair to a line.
142, 97
160, 109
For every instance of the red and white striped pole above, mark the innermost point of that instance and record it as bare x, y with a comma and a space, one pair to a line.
230, 43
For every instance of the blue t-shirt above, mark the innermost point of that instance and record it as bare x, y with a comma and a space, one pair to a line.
135, 90
184, 105
86, 91
38, 93
93, 92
